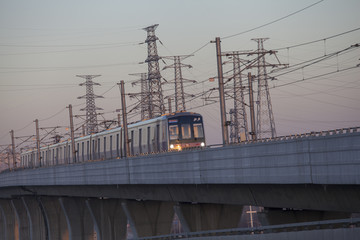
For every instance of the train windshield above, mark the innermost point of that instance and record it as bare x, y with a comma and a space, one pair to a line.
186, 129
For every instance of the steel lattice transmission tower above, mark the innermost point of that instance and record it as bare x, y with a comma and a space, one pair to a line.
179, 81
265, 125
156, 99
239, 126
91, 116
144, 95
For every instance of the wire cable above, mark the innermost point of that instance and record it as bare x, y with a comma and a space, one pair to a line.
277, 20
319, 40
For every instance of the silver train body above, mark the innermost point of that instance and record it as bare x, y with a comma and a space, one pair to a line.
174, 131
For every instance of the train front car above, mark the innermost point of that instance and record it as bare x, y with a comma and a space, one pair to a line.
186, 130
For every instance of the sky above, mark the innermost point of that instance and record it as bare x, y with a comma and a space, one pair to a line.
45, 44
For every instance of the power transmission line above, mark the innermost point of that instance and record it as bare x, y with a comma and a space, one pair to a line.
319, 40
277, 20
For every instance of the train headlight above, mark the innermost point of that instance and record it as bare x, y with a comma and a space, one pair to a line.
202, 144
171, 146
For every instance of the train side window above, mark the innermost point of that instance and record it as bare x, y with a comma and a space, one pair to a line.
82, 151
88, 149
117, 145
104, 147
186, 131
174, 132
148, 139
93, 149
140, 140
78, 152
132, 142
60, 155
57, 156
157, 140
98, 148
198, 130
111, 146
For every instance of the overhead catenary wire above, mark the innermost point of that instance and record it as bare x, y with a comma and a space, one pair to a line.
277, 20
51, 69
316, 60
315, 41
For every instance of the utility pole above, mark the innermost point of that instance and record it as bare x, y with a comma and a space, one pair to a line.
179, 81
225, 135
38, 163
145, 104
119, 120
8, 158
91, 116
125, 127
13, 149
72, 134
252, 111
83, 130
156, 99
169, 103
265, 117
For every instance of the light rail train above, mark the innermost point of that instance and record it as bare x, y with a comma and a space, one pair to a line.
175, 131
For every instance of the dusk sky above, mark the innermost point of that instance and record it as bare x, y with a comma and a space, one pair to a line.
45, 44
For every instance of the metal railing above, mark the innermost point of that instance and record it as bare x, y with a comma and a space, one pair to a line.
339, 131
292, 227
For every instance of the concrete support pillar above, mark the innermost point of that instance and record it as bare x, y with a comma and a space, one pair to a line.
203, 217
37, 223
277, 216
78, 218
10, 226
55, 218
108, 217
22, 218
149, 218
2, 224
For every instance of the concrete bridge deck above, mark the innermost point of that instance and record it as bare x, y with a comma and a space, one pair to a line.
290, 172
206, 189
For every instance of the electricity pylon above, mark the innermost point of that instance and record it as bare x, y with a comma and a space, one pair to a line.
91, 116
265, 126
239, 126
179, 81
144, 95
156, 99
